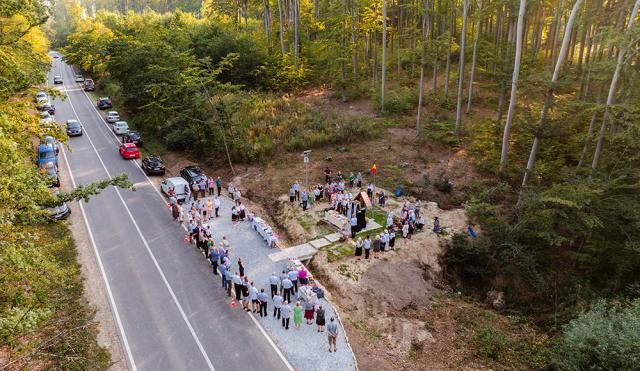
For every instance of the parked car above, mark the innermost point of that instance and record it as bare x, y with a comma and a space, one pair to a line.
59, 212
129, 151
120, 127
41, 96
132, 137
179, 185
78, 78
56, 56
104, 102
74, 128
153, 165
89, 85
46, 153
45, 105
50, 171
57, 80
112, 116
45, 117
192, 174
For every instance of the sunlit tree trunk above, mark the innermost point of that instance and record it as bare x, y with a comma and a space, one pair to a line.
384, 52
282, 49
592, 125
463, 38
423, 57
267, 22
296, 8
612, 88
550, 93
514, 90
452, 28
474, 58
343, 52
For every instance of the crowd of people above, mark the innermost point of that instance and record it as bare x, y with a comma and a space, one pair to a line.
283, 288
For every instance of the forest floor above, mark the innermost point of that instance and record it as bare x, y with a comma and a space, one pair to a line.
398, 311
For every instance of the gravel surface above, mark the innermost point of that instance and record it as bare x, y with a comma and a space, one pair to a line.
305, 348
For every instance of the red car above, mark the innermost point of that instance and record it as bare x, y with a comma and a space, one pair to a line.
129, 150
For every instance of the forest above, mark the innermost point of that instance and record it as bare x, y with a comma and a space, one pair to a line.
541, 96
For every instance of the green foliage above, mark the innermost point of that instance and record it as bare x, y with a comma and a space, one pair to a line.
399, 101
491, 343
607, 337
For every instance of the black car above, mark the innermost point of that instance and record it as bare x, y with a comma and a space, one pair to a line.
133, 137
74, 128
104, 102
89, 85
192, 174
153, 165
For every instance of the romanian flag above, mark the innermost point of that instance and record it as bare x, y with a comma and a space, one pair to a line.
374, 170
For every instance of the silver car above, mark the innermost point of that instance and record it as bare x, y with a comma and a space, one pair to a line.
120, 127
112, 116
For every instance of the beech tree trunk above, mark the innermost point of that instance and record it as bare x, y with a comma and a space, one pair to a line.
550, 93
384, 52
592, 125
514, 90
612, 89
423, 57
452, 27
474, 58
295, 33
282, 49
463, 37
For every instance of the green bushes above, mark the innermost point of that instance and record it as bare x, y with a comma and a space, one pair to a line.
607, 337
400, 101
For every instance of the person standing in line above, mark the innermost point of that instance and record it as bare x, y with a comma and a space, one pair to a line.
367, 247
253, 295
384, 240
241, 267
245, 294
392, 239
332, 333
216, 205
297, 315
370, 191
308, 312
286, 314
405, 230
214, 256
262, 301
436, 225
303, 276
359, 244
237, 285
417, 208
209, 208
274, 280
287, 286
223, 276
296, 188
293, 276
229, 277
354, 225
211, 184
304, 197
359, 180
376, 247
352, 179
196, 188
219, 185
187, 193
320, 321
277, 305
292, 194
327, 175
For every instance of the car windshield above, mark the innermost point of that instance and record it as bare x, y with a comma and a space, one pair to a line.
73, 125
132, 149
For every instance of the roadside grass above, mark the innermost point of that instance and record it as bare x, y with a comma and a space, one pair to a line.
66, 338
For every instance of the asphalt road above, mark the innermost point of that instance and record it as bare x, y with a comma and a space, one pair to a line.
170, 312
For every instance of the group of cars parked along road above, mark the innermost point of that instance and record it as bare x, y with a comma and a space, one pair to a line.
48, 149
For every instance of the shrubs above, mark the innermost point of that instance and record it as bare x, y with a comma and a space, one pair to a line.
607, 337
400, 101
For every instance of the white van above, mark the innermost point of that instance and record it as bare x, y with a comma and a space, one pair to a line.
179, 185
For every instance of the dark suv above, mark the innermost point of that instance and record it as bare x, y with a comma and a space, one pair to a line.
133, 137
104, 102
192, 174
89, 85
153, 165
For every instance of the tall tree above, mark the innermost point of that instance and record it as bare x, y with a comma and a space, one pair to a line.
452, 29
550, 93
514, 89
474, 57
282, 49
612, 88
423, 56
463, 37
384, 52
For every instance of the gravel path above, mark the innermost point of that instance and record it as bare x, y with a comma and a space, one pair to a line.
305, 348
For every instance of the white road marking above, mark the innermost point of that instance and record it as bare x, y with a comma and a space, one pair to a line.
112, 300
155, 261
260, 328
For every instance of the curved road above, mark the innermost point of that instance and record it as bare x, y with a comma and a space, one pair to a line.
170, 313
